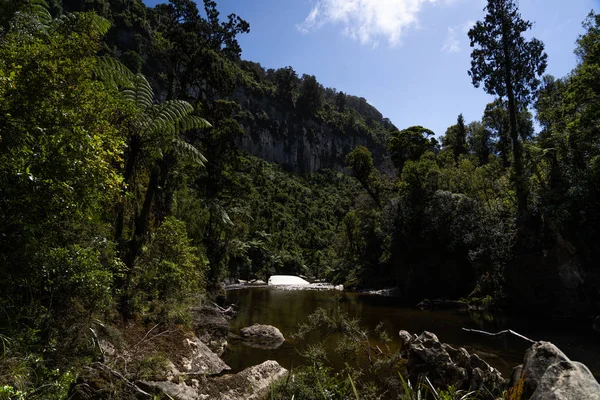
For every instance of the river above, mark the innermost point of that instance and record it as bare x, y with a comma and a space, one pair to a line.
286, 309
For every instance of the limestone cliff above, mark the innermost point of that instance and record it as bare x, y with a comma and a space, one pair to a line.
298, 143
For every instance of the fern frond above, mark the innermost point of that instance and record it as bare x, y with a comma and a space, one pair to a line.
97, 25
63, 20
39, 8
140, 92
175, 110
113, 72
190, 122
189, 152
168, 115
220, 211
100, 24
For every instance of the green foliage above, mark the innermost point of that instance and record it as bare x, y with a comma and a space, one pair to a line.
289, 222
319, 379
59, 144
566, 171
509, 66
456, 137
360, 161
153, 367
170, 271
311, 97
479, 141
38, 9
286, 81
410, 144
426, 390
502, 58
107, 201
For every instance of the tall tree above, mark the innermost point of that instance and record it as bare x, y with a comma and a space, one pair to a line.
194, 53
480, 141
153, 136
311, 95
456, 137
509, 67
340, 101
360, 161
286, 81
410, 144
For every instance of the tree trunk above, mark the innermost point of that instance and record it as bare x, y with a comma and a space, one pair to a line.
164, 195
136, 243
141, 221
520, 186
134, 149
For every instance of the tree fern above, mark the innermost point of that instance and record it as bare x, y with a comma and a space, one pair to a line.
188, 151
39, 8
36, 8
113, 73
173, 111
139, 91
99, 26
190, 122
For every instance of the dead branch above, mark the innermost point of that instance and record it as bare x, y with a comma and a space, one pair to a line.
147, 339
224, 311
127, 382
146, 335
97, 343
501, 333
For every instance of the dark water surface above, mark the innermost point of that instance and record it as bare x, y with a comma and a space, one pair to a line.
286, 309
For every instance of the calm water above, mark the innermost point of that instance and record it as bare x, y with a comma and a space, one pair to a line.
286, 309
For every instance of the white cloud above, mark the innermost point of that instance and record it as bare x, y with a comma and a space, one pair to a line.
456, 36
367, 21
451, 45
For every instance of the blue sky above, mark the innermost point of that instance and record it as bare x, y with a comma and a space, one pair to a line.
408, 58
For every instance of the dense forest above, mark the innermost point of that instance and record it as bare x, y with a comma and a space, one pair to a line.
131, 184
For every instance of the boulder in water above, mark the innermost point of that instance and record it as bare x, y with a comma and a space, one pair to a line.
262, 336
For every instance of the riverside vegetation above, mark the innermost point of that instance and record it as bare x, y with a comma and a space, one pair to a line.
127, 193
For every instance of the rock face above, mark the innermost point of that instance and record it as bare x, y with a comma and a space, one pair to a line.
547, 373
444, 365
211, 327
299, 145
200, 360
262, 336
250, 384
537, 359
567, 380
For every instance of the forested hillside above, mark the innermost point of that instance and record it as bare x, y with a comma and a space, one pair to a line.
136, 176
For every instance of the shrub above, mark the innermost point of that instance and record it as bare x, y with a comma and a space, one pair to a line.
170, 272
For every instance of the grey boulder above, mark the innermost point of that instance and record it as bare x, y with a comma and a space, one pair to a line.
262, 336
547, 373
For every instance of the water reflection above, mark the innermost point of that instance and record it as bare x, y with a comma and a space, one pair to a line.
287, 309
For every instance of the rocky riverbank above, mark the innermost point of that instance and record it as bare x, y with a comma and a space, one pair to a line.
171, 362
149, 361
545, 374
